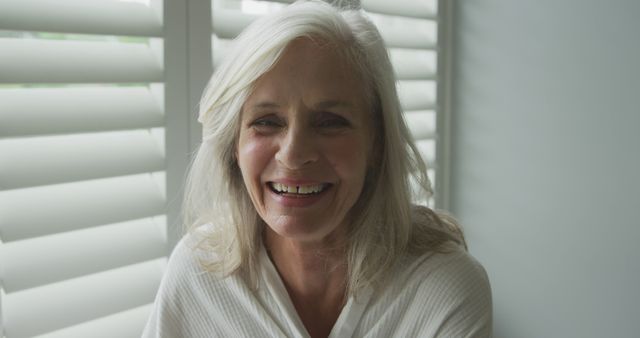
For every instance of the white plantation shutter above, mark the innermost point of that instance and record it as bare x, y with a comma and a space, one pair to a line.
230, 17
82, 166
98, 105
410, 30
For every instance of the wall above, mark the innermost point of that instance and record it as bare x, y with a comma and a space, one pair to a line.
546, 161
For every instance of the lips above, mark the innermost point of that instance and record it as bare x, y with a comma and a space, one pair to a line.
299, 189
298, 195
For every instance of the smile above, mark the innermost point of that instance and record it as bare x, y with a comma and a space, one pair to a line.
310, 189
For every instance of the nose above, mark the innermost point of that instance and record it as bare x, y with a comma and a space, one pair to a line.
297, 148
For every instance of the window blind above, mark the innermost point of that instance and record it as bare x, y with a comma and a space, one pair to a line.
230, 17
82, 153
409, 29
82, 166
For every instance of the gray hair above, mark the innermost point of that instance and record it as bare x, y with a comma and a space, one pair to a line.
386, 225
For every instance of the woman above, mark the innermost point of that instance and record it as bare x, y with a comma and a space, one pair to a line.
303, 183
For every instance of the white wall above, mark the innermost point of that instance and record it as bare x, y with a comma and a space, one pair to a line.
546, 163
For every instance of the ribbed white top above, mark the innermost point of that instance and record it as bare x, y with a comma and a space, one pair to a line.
436, 295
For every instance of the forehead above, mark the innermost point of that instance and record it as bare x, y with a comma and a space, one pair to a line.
310, 70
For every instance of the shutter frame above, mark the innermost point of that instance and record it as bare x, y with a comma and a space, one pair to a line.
444, 137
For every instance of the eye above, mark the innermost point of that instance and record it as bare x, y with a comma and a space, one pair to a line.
267, 123
332, 121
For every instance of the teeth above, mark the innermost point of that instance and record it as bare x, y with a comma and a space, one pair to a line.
304, 190
300, 189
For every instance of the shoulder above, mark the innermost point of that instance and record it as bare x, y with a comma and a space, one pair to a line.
190, 257
166, 318
454, 288
454, 274
453, 268
188, 269
179, 298
180, 273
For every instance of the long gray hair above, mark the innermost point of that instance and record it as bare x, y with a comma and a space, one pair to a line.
386, 225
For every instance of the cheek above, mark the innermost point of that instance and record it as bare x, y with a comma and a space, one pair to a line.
348, 157
253, 157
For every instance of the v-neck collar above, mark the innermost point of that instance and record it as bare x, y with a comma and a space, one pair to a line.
347, 320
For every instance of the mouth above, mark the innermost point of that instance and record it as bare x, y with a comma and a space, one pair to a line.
298, 190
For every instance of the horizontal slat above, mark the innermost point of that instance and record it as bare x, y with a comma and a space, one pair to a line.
49, 259
44, 160
427, 149
422, 124
54, 61
413, 64
126, 324
408, 64
400, 32
228, 23
423, 9
278, 1
39, 211
417, 95
258, 7
37, 111
56, 306
82, 16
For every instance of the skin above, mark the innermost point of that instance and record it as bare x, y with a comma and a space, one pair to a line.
307, 121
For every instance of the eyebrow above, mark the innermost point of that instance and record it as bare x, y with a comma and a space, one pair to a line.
320, 105
332, 104
265, 105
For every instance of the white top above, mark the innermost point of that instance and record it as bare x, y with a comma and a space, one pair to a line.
436, 295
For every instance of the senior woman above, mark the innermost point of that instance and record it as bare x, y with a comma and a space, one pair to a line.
299, 201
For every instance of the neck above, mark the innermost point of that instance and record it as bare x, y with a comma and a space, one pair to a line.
308, 267
314, 274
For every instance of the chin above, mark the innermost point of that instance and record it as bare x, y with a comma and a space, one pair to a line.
298, 230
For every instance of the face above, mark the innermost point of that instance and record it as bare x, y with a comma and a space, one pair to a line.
304, 143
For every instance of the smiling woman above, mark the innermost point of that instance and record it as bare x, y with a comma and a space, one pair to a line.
301, 143
299, 204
